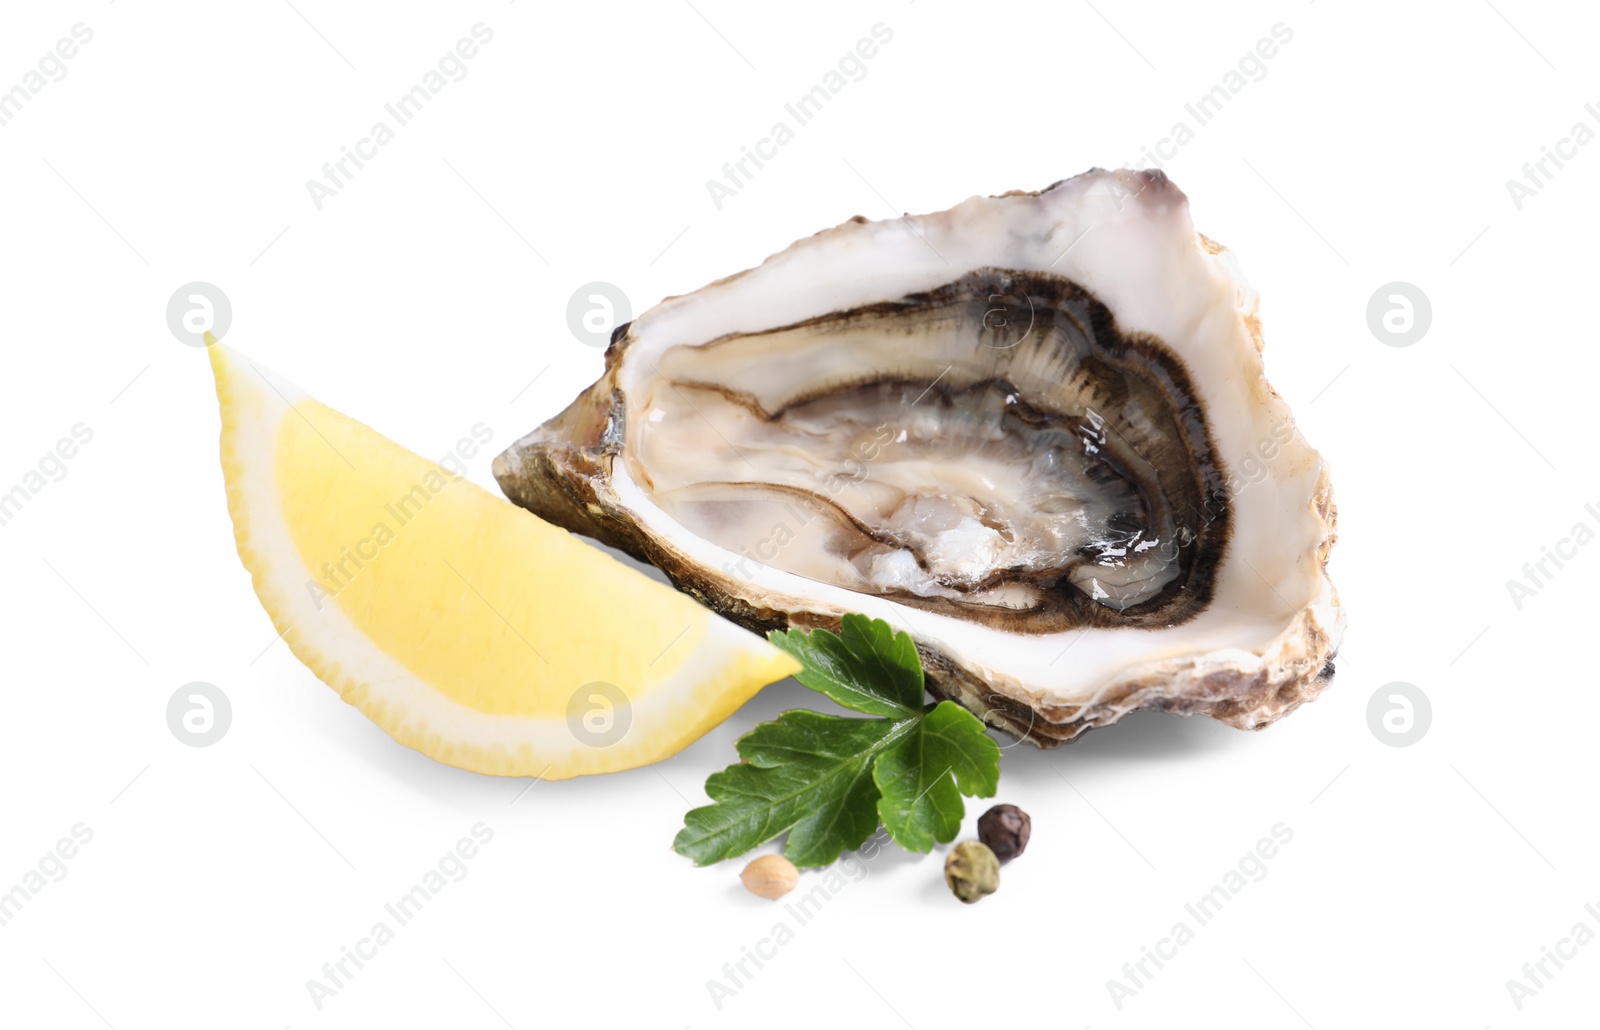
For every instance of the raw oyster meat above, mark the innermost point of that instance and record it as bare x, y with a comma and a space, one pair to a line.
1033, 431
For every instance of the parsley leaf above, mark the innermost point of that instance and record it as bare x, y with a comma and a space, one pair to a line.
807, 773
922, 776
865, 666
828, 780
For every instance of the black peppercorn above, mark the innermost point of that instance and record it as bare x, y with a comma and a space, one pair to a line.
1005, 828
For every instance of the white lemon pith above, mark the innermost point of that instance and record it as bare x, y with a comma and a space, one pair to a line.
465, 627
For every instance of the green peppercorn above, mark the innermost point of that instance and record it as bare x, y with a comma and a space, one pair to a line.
972, 871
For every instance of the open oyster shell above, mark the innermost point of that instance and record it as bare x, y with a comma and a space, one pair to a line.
1033, 431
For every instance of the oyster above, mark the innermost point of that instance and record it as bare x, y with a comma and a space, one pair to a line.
1033, 431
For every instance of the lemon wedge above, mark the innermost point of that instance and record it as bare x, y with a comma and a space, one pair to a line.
465, 627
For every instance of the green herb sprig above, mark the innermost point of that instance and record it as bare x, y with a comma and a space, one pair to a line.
829, 780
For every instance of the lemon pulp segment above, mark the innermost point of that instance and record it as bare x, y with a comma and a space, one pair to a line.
465, 627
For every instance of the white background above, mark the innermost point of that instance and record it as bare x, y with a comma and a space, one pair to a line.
432, 290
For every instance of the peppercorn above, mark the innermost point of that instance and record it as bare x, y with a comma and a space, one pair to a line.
770, 876
972, 871
1006, 829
